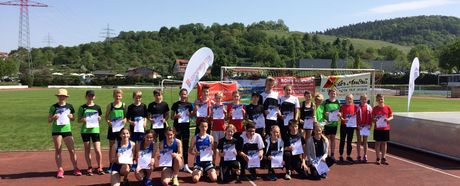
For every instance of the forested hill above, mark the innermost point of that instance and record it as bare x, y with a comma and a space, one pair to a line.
430, 30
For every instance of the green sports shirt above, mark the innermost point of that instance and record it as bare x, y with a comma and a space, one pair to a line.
57, 109
330, 106
85, 111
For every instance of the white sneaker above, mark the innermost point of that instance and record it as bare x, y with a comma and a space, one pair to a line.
287, 176
186, 169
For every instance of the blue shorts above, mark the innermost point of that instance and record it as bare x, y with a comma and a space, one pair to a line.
115, 167
137, 136
207, 165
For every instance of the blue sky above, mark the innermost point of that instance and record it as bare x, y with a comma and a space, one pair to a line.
71, 23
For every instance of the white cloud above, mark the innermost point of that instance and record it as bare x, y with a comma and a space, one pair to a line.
412, 5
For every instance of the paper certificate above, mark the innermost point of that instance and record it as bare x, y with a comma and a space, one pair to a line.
365, 130
254, 161
92, 120
205, 154
125, 157
139, 124
351, 121
323, 123
157, 121
237, 112
229, 152
334, 115
297, 147
184, 117
218, 112
381, 123
202, 110
277, 159
321, 167
272, 113
63, 117
117, 124
144, 160
287, 117
259, 120
308, 123
165, 158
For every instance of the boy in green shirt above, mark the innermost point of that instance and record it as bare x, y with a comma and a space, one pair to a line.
331, 113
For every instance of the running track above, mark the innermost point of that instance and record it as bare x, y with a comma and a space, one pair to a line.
406, 167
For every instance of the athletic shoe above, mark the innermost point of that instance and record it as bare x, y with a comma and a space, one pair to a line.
186, 169
384, 161
272, 176
377, 161
350, 159
77, 172
100, 171
60, 173
324, 176
341, 159
148, 182
89, 172
365, 159
253, 176
175, 181
108, 170
358, 159
287, 176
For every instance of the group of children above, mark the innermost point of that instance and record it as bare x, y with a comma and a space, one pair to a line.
272, 132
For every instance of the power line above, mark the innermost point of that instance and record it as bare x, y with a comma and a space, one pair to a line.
107, 33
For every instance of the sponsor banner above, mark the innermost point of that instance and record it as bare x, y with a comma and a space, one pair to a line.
299, 85
246, 87
356, 84
200, 61
225, 88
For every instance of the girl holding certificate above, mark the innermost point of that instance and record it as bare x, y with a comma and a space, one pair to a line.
122, 158
255, 114
218, 114
137, 117
115, 116
60, 115
182, 111
348, 126
202, 109
274, 146
251, 151
158, 112
289, 108
170, 157
228, 147
270, 100
307, 114
294, 151
202, 148
317, 146
364, 126
145, 153
382, 115
89, 115
237, 112
331, 110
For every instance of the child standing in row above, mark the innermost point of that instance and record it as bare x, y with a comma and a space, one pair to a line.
89, 114
307, 114
202, 109
182, 110
289, 108
136, 117
158, 112
218, 114
364, 126
331, 110
237, 113
382, 115
116, 117
255, 114
347, 126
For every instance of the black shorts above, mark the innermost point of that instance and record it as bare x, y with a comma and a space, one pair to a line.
234, 164
113, 135
86, 137
330, 130
63, 134
381, 135
207, 165
137, 136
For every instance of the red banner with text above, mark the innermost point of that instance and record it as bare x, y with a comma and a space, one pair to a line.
299, 85
225, 88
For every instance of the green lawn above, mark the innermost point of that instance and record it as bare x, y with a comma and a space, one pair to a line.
24, 113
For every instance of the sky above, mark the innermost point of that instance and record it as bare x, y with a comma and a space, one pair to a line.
71, 23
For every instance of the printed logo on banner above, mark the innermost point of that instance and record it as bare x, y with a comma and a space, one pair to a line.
356, 84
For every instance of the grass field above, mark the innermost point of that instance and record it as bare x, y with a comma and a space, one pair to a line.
24, 113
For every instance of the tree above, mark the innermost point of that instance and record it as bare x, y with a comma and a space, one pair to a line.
356, 62
449, 57
335, 57
425, 56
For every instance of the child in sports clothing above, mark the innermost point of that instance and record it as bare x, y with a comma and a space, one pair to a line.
202, 109
274, 146
115, 116
237, 113
307, 114
251, 146
255, 114
182, 111
289, 108
171, 146
319, 109
317, 147
60, 115
145, 153
158, 112
270, 100
295, 151
364, 126
201, 147
382, 115
348, 126
218, 114
89, 115
137, 118
122, 158
331, 110
228, 148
